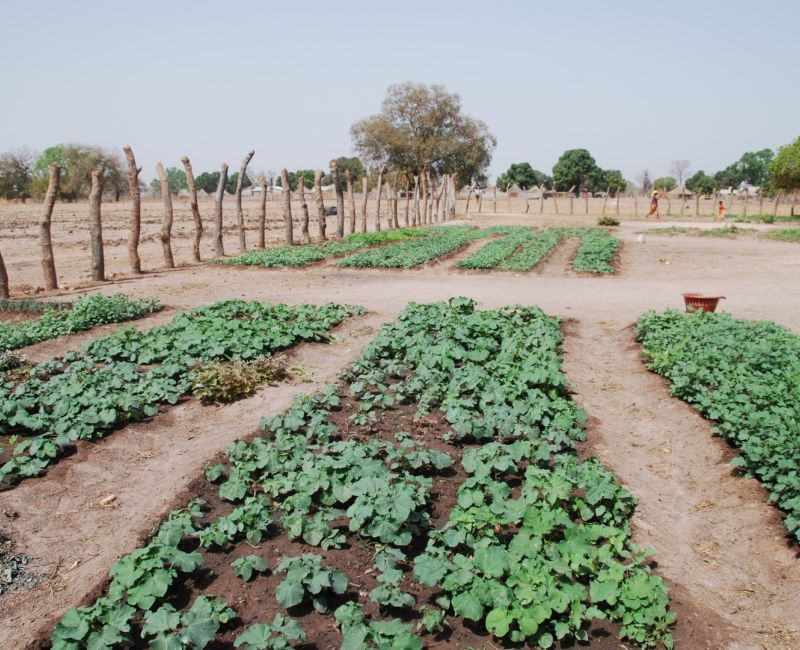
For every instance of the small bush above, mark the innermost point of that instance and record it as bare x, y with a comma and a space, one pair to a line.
607, 220
227, 381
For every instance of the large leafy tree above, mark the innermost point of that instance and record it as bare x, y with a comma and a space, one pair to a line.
176, 179
666, 183
523, 176
423, 127
230, 185
700, 183
16, 169
294, 177
752, 168
77, 162
614, 181
207, 181
785, 168
576, 169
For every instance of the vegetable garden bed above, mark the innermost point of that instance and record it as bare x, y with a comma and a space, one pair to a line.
128, 375
58, 320
433, 496
312, 253
745, 376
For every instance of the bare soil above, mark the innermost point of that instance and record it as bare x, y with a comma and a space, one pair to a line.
718, 542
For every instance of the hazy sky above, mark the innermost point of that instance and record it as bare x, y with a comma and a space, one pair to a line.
639, 84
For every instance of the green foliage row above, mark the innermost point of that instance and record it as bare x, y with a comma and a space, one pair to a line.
127, 375
784, 234
84, 314
746, 377
596, 252
312, 253
490, 256
442, 241
533, 251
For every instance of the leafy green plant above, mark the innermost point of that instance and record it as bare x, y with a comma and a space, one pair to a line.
84, 314
784, 234
491, 255
247, 566
358, 634
607, 220
165, 628
277, 635
227, 381
433, 620
308, 580
595, 253
746, 377
388, 593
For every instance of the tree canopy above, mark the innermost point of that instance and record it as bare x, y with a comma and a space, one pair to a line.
666, 183
700, 183
523, 176
176, 179
77, 162
577, 170
785, 168
423, 127
16, 169
614, 181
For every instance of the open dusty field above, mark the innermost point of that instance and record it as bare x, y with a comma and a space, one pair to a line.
734, 575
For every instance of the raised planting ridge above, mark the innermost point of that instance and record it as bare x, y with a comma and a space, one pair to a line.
311, 253
596, 252
443, 240
434, 489
491, 255
746, 377
85, 313
126, 376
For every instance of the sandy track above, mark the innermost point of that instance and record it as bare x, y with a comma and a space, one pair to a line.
59, 518
714, 534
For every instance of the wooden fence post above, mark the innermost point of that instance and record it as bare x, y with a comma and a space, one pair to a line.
541, 200
775, 206
239, 212
494, 200
320, 203
617, 207
287, 206
423, 196
262, 213
339, 200
605, 203
136, 211
364, 199
415, 216
45, 241
761, 203
746, 200
635, 205
571, 203
3, 279
96, 226
452, 185
396, 198
198, 221
301, 189
697, 205
408, 201
469, 196
555, 202
431, 192
219, 249
348, 177
683, 200
378, 208
586, 202
794, 203
480, 202
166, 222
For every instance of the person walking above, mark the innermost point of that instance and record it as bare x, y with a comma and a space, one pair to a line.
654, 206
721, 211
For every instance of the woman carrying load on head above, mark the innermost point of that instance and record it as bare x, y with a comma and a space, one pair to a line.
654, 206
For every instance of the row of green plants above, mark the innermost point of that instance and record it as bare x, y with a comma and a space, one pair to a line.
126, 376
84, 314
353, 467
311, 253
491, 255
442, 240
745, 376
596, 252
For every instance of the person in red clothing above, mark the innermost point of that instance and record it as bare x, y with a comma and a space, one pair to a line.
654, 206
721, 212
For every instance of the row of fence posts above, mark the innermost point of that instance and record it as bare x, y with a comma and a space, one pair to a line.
426, 204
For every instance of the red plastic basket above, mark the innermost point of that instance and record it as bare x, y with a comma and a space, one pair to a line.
699, 301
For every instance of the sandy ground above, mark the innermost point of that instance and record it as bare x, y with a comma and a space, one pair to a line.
734, 575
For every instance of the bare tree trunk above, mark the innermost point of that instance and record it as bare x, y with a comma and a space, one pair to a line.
96, 226
219, 249
348, 177
198, 221
239, 212
469, 196
555, 203
4, 293
364, 199
794, 203
415, 216
45, 242
616, 209
320, 203
605, 203
452, 185
378, 208
339, 200
287, 207
423, 197
136, 210
262, 213
301, 189
408, 202
571, 203
775, 206
439, 201
669, 203
395, 198
697, 205
166, 223
480, 202
429, 197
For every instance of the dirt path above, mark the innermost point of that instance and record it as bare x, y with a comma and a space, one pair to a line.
61, 518
717, 541
558, 261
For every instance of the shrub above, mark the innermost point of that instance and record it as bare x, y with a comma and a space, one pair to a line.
227, 381
607, 220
